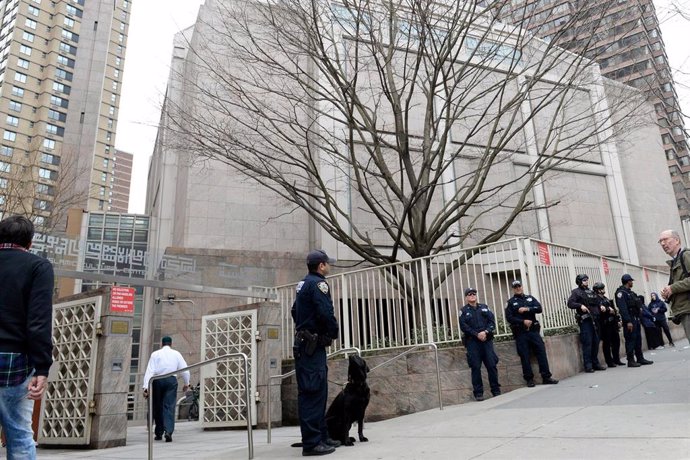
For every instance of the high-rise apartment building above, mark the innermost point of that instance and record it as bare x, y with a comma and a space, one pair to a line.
61, 64
624, 37
122, 181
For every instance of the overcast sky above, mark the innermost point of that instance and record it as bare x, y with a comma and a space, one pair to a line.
155, 22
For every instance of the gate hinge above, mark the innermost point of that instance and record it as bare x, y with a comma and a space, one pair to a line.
99, 329
92, 407
257, 335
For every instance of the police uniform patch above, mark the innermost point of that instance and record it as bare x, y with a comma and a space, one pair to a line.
529, 299
323, 287
299, 285
619, 295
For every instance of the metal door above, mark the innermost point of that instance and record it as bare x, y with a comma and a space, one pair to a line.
65, 414
222, 397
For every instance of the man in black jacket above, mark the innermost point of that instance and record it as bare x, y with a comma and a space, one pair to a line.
26, 314
587, 311
630, 307
521, 314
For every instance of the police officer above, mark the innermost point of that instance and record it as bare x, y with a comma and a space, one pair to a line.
629, 306
521, 313
315, 327
609, 325
587, 308
478, 325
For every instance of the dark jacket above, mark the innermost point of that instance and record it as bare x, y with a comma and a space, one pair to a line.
647, 318
610, 315
313, 307
658, 309
516, 319
26, 307
474, 320
581, 296
628, 304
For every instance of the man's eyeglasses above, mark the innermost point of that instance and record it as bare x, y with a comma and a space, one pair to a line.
471, 293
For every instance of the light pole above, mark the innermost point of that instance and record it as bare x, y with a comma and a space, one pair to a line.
172, 300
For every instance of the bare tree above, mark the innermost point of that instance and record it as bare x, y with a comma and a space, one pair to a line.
405, 127
41, 186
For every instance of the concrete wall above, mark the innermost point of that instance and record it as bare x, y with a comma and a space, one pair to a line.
408, 384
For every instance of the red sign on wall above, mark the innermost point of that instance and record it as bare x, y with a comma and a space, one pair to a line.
544, 255
646, 277
605, 263
122, 299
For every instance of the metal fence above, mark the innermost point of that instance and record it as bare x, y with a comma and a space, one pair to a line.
415, 302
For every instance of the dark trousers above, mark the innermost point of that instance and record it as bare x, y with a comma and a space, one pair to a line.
590, 344
164, 395
479, 352
663, 326
312, 393
611, 342
531, 340
633, 340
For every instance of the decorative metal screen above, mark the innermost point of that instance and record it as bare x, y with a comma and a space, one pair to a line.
222, 391
65, 417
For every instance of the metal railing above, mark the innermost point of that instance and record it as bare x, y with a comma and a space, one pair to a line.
291, 373
416, 302
245, 360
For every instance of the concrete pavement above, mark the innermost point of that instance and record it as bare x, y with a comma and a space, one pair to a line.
621, 413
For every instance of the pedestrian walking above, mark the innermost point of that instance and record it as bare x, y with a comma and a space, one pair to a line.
26, 316
630, 309
315, 329
587, 310
677, 292
164, 390
478, 326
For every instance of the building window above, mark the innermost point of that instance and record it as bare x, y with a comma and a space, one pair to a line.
106, 163
30, 23
23, 63
45, 189
63, 74
12, 121
54, 100
20, 77
55, 115
25, 50
47, 174
104, 177
50, 159
33, 10
3, 183
17, 91
67, 48
52, 129
6, 151
28, 37
5, 167
68, 22
118, 61
48, 144
10, 136
15, 106
70, 35
61, 88
111, 110
62, 60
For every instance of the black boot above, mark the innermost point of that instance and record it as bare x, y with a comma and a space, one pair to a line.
631, 361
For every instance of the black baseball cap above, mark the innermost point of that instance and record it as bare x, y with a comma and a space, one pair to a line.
318, 256
470, 291
625, 278
516, 283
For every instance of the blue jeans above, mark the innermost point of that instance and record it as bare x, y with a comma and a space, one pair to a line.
164, 394
15, 417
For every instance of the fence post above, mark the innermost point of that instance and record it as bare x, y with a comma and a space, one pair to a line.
427, 302
532, 284
345, 319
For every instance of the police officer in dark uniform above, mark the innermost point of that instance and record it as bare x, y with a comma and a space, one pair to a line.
478, 325
629, 306
609, 325
315, 329
587, 309
521, 313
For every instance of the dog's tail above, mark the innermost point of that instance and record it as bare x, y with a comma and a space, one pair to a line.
296, 444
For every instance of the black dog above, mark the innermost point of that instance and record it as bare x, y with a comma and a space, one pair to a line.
350, 404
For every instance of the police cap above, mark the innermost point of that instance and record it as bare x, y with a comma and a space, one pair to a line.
469, 291
317, 256
625, 278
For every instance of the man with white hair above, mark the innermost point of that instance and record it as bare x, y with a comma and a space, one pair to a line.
677, 293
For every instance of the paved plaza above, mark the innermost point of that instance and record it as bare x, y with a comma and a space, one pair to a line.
620, 413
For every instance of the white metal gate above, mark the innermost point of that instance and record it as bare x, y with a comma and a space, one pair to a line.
65, 417
222, 400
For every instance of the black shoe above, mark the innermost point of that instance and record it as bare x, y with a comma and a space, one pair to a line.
672, 344
321, 449
633, 364
600, 368
332, 442
549, 381
157, 437
620, 363
589, 371
530, 383
479, 397
645, 362
496, 393
610, 364
168, 437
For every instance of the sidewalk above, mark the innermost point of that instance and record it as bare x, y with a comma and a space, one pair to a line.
621, 413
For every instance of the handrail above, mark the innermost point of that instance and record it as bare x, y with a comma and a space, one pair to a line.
289, 374
250, 439
410, 350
